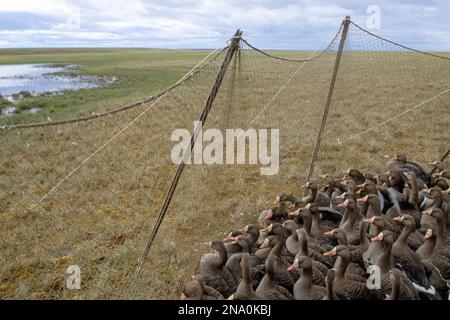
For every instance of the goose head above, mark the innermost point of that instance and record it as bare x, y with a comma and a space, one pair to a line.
340, 250
376, 221
192, 291
302, 262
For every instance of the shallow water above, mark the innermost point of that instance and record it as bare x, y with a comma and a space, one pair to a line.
38, 79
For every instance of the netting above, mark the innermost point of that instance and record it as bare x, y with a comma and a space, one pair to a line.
88, 193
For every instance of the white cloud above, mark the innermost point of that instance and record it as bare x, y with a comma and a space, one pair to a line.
46, 7
194, 23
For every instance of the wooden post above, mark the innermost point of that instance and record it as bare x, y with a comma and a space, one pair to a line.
345, 24
445, 155
233, 47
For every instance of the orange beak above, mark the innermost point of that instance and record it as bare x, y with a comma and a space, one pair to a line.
340, 197
371, 220
399, 218
379, 237
363, 200
428, 234
277, 200
428, 211
227, 239
328, 234
293, 266
343, 204
267, 229
330, 253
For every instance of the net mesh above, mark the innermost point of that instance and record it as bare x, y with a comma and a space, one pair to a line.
88, 193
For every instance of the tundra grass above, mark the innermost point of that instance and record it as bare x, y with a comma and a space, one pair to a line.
100, 216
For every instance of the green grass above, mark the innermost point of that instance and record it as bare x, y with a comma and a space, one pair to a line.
140, 73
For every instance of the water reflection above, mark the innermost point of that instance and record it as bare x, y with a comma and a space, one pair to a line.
41, 78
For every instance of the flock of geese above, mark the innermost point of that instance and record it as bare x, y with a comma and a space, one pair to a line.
361, 236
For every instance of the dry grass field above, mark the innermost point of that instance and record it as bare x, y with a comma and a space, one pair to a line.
99, 217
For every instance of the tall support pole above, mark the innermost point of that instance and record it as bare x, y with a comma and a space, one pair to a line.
445, 155
233, 47
345, 24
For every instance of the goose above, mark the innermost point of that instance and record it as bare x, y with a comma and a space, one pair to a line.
277, 214
317, 228
278, 265
444, 174
192, 291
231, 246
245, 288
233, 263
356, 251
396, 180
436, 263
251, 231
395, 277
330, 295
306, 216
274, 214
383, 181
407, 201
375, 248
438, 167
440, 182
384, 264
346, 289
267, 245
373, 202
307, 223
308, 249
415, 238
400, 162
197, 290
304, 289
292, 243
355, 176
438, 202
330, 185
214, 272
351, 222
369, 187
268, 289
408, 260
316, 196
297, 202
441, 245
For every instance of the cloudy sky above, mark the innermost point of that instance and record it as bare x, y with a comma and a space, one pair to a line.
288, 24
